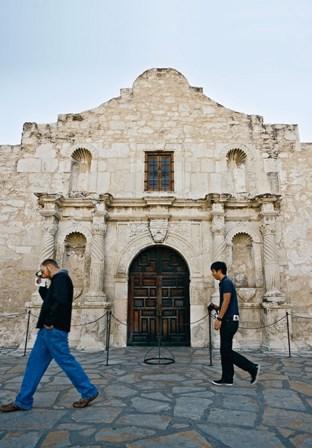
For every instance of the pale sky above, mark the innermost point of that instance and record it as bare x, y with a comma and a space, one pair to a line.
66, 56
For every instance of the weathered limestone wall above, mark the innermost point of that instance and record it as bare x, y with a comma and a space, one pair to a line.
296, 172
161, 112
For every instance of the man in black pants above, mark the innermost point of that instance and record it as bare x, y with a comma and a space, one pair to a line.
227, 322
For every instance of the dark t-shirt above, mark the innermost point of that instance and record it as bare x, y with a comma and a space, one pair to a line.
226, 285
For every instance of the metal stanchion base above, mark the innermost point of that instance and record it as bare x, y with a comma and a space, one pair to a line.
158, 359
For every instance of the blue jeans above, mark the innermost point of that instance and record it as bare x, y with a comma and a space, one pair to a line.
52, 344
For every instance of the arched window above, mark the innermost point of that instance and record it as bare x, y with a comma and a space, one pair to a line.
236, 162
74, 258
243, 261
80, 169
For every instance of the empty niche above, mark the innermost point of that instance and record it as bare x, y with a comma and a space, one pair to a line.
80, 170
243, 261
274, 182
236, 163
74, 258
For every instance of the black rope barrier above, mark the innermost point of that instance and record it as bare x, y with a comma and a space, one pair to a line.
119, 321
263, 326
91, 322
160, 359
9, 316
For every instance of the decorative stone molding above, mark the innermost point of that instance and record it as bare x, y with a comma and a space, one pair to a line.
183, 247
246, 294
138, 229
158, 229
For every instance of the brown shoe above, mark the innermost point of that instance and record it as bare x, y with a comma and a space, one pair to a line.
83, 402
10, 407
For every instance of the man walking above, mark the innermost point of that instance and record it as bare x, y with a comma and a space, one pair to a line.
52, 342
227, 322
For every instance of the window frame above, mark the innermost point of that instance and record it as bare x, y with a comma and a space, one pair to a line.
160, 156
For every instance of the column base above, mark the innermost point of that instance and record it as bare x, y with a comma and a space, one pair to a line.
89, 326
274, 296
35, 300
275, 334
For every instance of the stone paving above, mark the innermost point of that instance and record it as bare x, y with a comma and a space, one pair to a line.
163, 406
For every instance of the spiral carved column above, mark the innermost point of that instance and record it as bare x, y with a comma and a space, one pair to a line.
271, 266
97, 267
219, 244
50, 215
48, 243
270, 254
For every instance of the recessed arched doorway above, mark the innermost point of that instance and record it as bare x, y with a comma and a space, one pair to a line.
159, 298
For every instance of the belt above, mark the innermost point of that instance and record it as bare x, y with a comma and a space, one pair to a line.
234, 318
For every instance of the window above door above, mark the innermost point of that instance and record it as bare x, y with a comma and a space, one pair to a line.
159, 171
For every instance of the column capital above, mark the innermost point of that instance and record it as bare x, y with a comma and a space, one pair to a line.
50, 204
217, 198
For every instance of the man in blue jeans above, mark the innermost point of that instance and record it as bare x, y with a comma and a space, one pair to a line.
227, 322
52, 342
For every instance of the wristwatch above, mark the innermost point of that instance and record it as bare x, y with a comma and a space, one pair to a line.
219, 318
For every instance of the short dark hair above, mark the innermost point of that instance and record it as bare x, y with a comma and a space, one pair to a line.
50, 261
219, 266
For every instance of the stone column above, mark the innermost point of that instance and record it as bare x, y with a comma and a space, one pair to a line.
96, 293
48, 241
219, 245
271, 264
50, 213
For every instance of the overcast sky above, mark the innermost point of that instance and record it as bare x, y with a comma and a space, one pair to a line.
63, 56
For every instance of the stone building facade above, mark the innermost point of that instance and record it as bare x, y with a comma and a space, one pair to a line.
138, 196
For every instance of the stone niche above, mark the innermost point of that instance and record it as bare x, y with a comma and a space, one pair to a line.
236, 164
243, 265
80, 171
74, 258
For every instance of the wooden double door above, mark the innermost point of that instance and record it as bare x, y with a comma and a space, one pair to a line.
158, 303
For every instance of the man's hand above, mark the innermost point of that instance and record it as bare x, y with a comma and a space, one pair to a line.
217, 324
48, 327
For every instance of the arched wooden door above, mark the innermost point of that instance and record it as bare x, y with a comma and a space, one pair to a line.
158, 301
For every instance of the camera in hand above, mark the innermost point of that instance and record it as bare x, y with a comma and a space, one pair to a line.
40, 281
212, 307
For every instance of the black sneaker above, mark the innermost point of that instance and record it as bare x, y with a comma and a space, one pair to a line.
255, 374
222, 383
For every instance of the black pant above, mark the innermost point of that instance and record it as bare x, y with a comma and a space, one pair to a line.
228, 356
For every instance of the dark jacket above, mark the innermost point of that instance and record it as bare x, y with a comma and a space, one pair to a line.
57, 302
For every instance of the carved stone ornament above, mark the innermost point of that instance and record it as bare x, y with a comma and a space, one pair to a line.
158, 229
246, 294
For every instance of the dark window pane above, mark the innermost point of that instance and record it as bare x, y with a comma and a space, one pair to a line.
158, 175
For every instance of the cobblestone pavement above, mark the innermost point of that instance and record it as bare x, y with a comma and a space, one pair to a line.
163, 406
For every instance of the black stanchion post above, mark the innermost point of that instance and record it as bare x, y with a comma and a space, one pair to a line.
108, 330
288, 334
27, 331
210, 341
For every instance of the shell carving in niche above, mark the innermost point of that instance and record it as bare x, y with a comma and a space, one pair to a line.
236, 157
